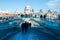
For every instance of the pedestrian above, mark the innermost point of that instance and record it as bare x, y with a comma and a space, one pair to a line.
24, 26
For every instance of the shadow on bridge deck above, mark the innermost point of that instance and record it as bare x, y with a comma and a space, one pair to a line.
32, 34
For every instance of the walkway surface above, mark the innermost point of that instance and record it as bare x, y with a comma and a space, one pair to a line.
32, 34
9, 31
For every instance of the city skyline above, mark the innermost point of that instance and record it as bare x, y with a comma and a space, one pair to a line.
12, 5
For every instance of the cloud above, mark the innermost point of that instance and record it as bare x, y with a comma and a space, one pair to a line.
53, 3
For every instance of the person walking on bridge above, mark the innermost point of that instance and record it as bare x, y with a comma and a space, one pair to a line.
24, 26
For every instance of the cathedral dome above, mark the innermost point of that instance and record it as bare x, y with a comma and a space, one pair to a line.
27, 6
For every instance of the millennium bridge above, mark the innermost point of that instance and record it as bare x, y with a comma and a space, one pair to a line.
41, 29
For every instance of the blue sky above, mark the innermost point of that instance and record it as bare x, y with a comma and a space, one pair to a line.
45, 5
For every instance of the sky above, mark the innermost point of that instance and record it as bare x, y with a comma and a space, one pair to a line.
12, 5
